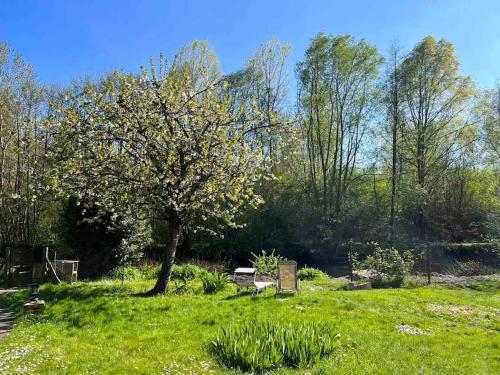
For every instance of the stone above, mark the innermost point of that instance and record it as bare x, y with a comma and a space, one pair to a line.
363, 286
34, 307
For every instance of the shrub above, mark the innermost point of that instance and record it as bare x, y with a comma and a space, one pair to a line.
185, 272
262, 347
469, 268
182, 275
150, 271
213, 282
390, 266
310, 273
145, 272
267, 264
125, 273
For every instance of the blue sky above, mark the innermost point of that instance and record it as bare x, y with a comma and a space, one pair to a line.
65, 40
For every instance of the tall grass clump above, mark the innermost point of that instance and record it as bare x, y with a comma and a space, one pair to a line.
213, 282
183, 274
260, 347
310, 273
150, 271
125, 273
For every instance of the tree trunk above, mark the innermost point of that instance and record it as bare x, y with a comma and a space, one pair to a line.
421, 172
174, 232
395, 124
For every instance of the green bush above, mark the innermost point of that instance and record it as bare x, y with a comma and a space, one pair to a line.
262, 347
310, 273
150, 271
145, 272
266, 264
213, 282
182, 275
185, 272
125, 273
390, 266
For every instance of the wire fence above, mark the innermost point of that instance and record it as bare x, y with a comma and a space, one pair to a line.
431, 259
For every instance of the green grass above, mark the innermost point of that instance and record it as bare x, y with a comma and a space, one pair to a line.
104, 328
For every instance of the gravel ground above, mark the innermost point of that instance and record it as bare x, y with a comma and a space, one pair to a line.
7, 317
437, 278
452, 279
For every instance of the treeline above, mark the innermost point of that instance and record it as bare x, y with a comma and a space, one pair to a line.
398, 149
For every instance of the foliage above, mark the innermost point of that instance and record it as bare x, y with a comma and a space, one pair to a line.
260, 347
92, 237
150, 271
390, 266
23, 147
336, 99
125, 273
469, 268
266, 264
213, 282
178, 152
310, 273
183, 275
492, 125
193, 108
166, 144
435, 142
186, 272
262, 87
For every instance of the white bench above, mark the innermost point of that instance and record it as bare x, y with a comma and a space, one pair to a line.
246, 277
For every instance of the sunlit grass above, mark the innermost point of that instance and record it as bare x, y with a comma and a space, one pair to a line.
106, 328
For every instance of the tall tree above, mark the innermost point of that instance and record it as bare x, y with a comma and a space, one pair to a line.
492, 125
163, 144
393, 100
23, 142
262, 86
336, 97
435, 99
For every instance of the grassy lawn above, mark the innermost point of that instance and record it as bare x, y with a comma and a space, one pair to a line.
103, 328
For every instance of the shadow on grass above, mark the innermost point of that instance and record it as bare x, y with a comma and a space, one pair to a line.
261, 296
15, 300
53, 293
240, 295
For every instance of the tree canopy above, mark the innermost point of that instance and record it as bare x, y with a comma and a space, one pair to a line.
165, 144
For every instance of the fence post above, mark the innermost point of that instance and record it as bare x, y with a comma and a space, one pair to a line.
350, 262
429, 263
7, 265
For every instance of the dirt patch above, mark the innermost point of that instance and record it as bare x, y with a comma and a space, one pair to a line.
462, 310
453, 279
453, 310
409, 330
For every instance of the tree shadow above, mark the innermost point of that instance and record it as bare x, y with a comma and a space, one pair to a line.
240, 295
77, 293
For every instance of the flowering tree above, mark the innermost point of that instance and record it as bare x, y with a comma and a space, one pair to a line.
167, 143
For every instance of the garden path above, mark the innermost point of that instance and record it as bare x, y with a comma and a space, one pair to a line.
7, 319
